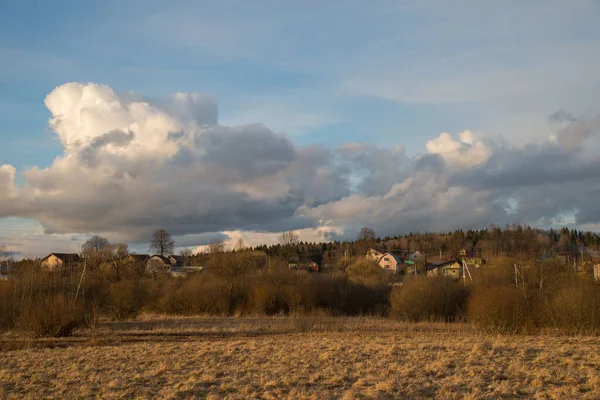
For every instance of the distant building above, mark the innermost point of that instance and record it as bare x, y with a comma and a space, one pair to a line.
137, 258
450, 268
416, 256
158, 264
54, 261
373, 254
310, 266
390, 262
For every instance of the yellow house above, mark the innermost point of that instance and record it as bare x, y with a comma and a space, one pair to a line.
55, 261
451, 269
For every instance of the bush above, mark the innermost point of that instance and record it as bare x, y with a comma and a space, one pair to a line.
429, 299
368, 273
7, 317
277, 291
198, 294
576, 307
125, 300
501, 309
51, 316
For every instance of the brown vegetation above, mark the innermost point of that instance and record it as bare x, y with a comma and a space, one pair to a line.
318, 357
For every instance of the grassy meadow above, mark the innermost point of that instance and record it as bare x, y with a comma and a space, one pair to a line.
314, 357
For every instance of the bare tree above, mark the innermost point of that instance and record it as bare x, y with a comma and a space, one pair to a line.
289, 238
366, 234
216, 246
95, 251
239, 245
230, 268
117, 255
186, 255
162, 243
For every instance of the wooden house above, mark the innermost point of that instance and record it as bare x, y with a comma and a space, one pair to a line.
55, 261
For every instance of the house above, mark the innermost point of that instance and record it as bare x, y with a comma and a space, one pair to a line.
411, 267
176, 261
373, 254
474, 262
137, 258
597, 270
54, 261
416, 256
310, 266
390, 262
450, 268
156, 263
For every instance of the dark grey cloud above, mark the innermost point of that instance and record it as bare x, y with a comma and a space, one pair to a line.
165, 167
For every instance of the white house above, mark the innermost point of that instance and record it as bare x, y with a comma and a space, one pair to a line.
390, 262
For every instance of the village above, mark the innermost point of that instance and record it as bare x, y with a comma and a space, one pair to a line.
415, 263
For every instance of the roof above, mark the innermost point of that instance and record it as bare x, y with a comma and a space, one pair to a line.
64, 257
164, 260
439, 264
398, 259
178, 259
139, 257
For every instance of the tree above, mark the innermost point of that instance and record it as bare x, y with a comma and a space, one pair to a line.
162, 243
216, 246
94, 251
117, 257
3, 251
368, 273
186, 256
289, 238
230, 268
366, 234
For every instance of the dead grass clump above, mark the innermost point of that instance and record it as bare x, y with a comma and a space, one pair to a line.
575, 308
429, 299
51, 316
319, 321
501, 309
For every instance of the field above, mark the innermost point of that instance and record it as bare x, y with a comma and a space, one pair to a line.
309, 357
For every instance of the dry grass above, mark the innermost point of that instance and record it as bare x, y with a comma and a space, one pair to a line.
277, 358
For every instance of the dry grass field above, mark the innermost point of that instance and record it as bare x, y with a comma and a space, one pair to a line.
281, 358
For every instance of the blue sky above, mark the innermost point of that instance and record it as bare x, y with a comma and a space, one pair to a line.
392, 73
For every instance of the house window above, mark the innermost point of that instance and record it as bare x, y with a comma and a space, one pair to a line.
387, 259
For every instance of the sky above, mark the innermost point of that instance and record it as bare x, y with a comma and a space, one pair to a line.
233, 119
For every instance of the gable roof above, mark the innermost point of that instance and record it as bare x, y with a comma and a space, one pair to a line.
64, 257
440, 264
398, 260
164, 260
139, 257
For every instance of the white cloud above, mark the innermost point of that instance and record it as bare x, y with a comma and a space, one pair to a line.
133, 164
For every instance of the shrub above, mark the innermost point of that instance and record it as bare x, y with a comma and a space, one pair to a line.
429, 299
7, 319
125, 300
576, 307
368, 273
51, 316
198, 294
501, 309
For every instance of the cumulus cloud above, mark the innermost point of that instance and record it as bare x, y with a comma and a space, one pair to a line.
132, 164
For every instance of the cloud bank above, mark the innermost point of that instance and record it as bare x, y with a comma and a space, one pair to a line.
132, 164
